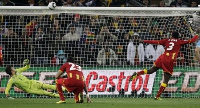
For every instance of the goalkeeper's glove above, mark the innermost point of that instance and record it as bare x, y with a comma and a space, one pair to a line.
26, 62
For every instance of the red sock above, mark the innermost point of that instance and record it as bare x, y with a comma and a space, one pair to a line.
59, 89
162, 88
76, 98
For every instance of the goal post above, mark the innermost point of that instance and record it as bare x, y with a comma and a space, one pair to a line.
105, 42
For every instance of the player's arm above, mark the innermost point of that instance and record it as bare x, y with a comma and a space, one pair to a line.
60, 71
58, 74
190, 40
86, 92
157, 42
8, 87
26, 67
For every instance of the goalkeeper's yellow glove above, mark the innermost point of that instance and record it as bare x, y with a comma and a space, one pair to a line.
26, 62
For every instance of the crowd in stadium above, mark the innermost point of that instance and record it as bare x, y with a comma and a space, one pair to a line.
102, 3
92, 40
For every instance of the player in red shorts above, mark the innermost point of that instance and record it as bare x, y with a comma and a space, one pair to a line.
73, 81
166, 60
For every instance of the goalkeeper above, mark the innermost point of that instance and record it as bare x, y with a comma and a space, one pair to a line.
23, 83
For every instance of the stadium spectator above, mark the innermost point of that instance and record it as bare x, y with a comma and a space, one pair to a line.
146, 3
159, 50
121, 48
193, 3
107, 56
102, 20
40, 48
88, 37
104, 4
150, 54
41, 3
30, 27
178, 3
72, 35
27, 43
59, 59
94, 25
120, 32
12, 44
117, 28
115, 3
32, 3
7, 3
3, 29
172, 4
88, 46
68, 3
131, 50
78, 24
141, 53
85, 3
103, 33
162, 3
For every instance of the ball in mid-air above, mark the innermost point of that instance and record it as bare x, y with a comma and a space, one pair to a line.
52, 5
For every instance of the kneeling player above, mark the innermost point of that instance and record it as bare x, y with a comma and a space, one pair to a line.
73, 83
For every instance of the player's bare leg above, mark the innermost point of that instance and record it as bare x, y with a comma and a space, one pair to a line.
144, 71
163, 85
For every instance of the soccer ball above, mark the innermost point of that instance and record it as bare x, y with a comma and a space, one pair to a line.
52, 5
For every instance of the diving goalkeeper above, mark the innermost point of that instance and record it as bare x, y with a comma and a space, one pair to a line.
23, 83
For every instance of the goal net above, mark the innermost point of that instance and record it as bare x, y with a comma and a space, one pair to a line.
105, 42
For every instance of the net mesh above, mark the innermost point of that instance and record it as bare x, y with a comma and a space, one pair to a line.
106, 43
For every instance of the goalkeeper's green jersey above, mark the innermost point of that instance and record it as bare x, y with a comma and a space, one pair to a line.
19, 80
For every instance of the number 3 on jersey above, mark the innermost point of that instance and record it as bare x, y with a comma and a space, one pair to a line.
170, 46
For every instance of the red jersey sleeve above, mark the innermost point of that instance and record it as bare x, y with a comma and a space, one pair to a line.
190, 40
63, 68
158, 42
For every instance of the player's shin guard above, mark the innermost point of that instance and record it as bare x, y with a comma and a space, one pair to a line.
144, 71
59, 90
162, 88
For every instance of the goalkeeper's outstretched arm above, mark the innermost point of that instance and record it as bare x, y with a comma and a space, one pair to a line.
26, 67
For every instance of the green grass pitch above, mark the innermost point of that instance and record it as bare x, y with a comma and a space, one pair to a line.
102, 103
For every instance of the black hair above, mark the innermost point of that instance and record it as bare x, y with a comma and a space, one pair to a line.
8, 70
175, 34
70, 59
